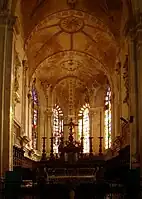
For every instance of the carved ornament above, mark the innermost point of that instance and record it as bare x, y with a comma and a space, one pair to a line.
71, 24
17, 65
126, 80
65, 18
6, 19
117, 144
23, 141
71, 65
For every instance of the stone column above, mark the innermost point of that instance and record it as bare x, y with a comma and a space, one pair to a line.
6, 48
24, 90
92, 120
135, 86
66, 131
29, 119
136, 138
48, 129
117, 100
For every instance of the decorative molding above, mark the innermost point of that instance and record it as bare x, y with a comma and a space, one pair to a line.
23, 141
71, 24
38, 5
25, 64
81, 15
6, 19
117, 144
118, 68
71, 65
126, 80
17, 26
17, 65
133, 24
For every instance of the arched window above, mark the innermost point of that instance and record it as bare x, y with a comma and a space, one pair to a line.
35, 113
84, 127
107, 119
57, 127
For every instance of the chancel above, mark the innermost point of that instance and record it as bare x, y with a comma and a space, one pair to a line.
70, 98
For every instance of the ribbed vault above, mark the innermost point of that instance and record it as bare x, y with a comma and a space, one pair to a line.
66, 40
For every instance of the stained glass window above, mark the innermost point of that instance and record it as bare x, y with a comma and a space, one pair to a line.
57, 127
107, 119
84, 127
34, 118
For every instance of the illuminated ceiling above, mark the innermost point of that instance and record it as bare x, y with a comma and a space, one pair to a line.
71, 39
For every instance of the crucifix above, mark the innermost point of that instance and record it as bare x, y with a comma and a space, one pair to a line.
71, 125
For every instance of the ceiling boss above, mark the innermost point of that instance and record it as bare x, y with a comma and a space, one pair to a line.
71, 24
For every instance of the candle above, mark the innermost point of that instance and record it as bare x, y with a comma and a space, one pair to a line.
44, 126
100, 123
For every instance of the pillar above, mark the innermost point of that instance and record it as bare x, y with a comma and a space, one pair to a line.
24, 92
117, 100
6, 49
91, 113
91, 118
66, 128
29, 119
137, 137
48, 129
135, 84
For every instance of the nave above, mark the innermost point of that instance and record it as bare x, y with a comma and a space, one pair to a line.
70, 98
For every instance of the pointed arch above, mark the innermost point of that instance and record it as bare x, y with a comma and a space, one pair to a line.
84, 127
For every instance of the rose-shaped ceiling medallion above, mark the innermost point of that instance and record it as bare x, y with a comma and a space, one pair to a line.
71, 24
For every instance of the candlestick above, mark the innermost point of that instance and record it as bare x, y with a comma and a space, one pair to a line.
82, 126
100, 123
91, 146
43, 158
100, 145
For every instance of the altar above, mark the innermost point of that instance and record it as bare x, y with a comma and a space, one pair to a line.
71, 166
70, 150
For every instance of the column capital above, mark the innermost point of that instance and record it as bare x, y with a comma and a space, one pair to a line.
7, 19
133, 26
92, 110
118, 68
25, 64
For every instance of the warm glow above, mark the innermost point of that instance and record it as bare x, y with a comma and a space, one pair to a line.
84, 122
107, 119
57, 127
34, 118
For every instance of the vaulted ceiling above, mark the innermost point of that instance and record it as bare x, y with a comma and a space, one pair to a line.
71, 39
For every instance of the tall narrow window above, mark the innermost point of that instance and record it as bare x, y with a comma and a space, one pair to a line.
107, 119
57, 127
34, 118
84, 127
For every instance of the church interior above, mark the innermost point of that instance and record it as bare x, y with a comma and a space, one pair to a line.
71, 97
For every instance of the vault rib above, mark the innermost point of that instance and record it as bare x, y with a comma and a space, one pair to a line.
55, 35
47, 27
94, 41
